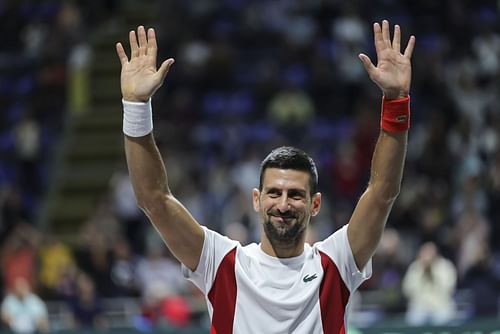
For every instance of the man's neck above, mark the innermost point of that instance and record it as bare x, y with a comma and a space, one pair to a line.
282, 251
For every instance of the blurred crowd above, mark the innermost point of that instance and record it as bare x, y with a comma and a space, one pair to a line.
249, 76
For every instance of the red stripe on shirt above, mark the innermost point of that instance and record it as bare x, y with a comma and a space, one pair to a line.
333, 297
222, 295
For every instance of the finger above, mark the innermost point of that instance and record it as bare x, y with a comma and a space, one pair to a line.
367, 63
152, 46
164, 68
386, 35
143, 43
410, 47
396, 39
121, 54
377, 37
134, 48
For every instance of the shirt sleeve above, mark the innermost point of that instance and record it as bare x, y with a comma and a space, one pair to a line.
337, 247
7, 305
215, 247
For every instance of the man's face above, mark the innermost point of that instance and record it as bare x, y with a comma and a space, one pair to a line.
21, 287
285, 205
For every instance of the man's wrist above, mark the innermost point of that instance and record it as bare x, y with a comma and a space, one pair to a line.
135, 99
137, 118
395, 114
388, 95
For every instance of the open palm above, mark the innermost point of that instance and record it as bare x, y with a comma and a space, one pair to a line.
139, 77
393, 71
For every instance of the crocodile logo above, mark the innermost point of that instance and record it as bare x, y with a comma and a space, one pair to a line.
308, 278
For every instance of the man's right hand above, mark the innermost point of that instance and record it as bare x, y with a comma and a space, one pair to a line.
139, 77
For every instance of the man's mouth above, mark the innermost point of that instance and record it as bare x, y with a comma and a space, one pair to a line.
282, 218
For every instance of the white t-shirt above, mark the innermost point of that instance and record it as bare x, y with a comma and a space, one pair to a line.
25, 313
248, 291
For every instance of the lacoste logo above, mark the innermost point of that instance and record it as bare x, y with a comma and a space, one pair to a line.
401, 118
308, 278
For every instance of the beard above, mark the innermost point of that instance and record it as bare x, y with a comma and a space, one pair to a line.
284, 234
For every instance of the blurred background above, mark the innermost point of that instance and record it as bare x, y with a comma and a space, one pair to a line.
76, 253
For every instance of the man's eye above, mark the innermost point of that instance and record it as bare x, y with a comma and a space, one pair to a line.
296, 196
273, 193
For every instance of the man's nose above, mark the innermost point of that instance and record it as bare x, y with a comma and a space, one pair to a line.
283, 204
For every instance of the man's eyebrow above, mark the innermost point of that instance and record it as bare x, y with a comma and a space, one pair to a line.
269, 189
292, 191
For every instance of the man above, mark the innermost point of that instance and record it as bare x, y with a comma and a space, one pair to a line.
429, 284
23, 311
281, 285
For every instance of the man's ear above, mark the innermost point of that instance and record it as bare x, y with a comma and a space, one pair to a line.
316, 204
256, 199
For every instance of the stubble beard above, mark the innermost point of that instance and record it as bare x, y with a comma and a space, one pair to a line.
282, 234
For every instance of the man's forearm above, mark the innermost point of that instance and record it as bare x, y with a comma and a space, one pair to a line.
146, 168
387, 164
368, 220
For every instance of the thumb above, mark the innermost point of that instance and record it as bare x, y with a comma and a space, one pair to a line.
164, 68
367, 63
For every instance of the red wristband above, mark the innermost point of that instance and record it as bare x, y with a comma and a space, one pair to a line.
395, 115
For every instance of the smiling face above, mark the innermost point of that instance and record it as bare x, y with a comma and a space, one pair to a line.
286, 206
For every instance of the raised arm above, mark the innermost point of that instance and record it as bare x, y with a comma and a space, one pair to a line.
140, 78
393, 75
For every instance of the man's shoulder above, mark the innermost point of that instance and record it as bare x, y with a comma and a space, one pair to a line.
335, 237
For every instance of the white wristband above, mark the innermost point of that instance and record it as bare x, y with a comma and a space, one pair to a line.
137, 118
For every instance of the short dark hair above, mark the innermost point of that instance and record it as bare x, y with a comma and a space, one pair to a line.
288, 157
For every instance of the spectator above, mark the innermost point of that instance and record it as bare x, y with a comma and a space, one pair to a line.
159, 270
28, 150
123, 270
162, 307
471, 232
12, 211
163, 288
23, 311
481, 278
19, 254
56, 259
93, 256
130, 216
86, 306
429, 285
291, 110
389, 268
